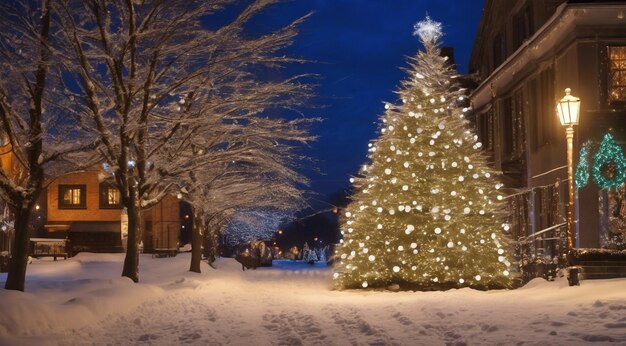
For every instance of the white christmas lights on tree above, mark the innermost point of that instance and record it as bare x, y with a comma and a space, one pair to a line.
436, 213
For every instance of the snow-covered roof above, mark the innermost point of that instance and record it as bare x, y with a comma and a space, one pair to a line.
565, 19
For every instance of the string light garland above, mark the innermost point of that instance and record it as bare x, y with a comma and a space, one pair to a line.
414, 221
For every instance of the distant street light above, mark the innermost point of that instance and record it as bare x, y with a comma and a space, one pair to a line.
568, 110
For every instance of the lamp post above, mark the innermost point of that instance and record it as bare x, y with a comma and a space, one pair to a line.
568, 110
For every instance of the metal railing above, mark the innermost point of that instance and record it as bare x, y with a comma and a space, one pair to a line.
542, 253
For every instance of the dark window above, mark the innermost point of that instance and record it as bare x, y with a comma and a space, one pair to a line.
499, 50
548, 206
518, 123
513, 127
519, 217
522, 26
543, 108
507, 127
485, 129
110, 197
489, 125
72, 196
617, 74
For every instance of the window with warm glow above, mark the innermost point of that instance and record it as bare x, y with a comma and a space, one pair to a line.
110, 197
617, 73
72, 197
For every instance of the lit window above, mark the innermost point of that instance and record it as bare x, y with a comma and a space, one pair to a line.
113, 196
110, 197
72, 197
617, 73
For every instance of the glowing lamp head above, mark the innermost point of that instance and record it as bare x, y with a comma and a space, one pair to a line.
568, 109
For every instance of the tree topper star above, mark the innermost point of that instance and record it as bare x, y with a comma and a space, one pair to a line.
427, 30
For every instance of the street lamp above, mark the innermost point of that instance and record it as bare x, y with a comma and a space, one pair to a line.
568, 110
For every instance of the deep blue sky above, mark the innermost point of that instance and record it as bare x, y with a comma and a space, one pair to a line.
359, 47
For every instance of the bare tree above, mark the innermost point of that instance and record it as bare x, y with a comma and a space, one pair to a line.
32, 103
218, 195
249, 224
151, 77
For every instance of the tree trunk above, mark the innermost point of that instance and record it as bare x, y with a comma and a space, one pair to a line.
19, 258
211, 243
131, 262
16, 275
196, 242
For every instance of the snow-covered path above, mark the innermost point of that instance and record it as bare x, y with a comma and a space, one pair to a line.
291, 304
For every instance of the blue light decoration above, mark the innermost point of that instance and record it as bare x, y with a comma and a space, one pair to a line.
581, 176
609, 164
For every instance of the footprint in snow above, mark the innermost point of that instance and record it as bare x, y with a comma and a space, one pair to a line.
189, 337
615, 325
598, 304
294, 328
211, 315
597, 338
402, 319
488, 328
617, 307
557, 324
148, 337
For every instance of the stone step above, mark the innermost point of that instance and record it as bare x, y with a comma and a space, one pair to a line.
602, 263
598, 276
602, 270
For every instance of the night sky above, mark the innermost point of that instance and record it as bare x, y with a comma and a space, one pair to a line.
358, 48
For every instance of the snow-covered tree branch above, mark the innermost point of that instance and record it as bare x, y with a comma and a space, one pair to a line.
170, 100
35, 134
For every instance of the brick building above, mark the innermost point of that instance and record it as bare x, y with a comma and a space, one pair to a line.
89, 211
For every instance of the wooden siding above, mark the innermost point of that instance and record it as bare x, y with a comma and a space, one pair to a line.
162, 225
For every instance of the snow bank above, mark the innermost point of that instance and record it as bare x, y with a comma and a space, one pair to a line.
70, 294
30, 314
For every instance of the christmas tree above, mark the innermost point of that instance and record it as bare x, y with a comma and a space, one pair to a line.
427, 213
308, 255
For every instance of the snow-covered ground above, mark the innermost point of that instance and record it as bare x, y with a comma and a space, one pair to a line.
84, 301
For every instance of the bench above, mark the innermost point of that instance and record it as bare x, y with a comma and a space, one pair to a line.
48, 247
164, 252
